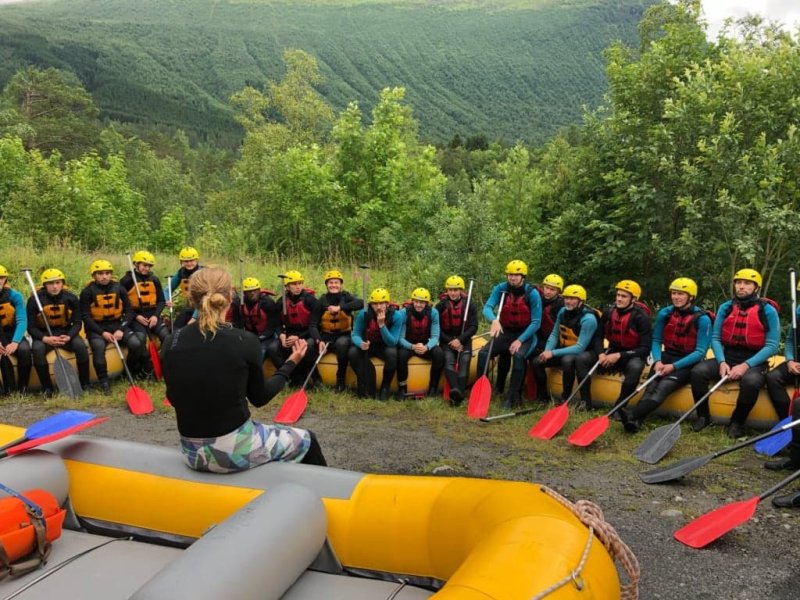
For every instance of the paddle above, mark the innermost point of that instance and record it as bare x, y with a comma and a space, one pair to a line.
662, 440
508, 415
554, 419
771, 446
713, 525
294, 405
456, 369
139, 401
49, 425
241, 281
594, 428
52, 437
169, 293
481, 393
67, 380
154, 358
367, 377
687, 465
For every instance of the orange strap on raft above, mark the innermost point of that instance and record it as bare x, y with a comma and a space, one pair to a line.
29, 523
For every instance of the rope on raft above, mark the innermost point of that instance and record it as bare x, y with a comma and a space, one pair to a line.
591, 515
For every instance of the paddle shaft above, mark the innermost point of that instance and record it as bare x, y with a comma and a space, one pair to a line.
491, 341
314, 366
508, 415
756, 439
630, 396
27, 273
793, 286
122, 360
779, 485
169, 292
705, 397
241, 281
580, 385
133, 276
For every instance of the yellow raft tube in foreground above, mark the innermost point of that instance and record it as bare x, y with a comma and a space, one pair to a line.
445, 537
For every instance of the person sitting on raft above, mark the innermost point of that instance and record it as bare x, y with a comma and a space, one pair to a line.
211, 370
684, 330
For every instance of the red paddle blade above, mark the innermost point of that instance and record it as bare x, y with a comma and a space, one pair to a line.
166, 402
52, 437
530, 383
292, 408
713, 525
446, 389
589, 431
139, 401
156, 360
551, 422
479, 397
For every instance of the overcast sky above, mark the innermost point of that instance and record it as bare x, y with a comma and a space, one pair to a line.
785, 11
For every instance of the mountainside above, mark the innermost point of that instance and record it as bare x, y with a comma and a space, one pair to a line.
510, 69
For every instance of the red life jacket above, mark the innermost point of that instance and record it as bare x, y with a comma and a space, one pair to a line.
298, 316
550, 310
619, 329
745, 328
254, 318
451, 317
418, 326
373, 333
516, 313
680, 331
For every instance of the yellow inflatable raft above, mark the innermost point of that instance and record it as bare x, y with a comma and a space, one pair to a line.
112, 360
140, 525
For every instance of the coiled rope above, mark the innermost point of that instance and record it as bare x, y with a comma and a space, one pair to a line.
591, 515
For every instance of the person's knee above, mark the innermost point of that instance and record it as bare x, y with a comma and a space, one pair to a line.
752, 380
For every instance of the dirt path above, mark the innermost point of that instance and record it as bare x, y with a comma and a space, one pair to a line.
758, 560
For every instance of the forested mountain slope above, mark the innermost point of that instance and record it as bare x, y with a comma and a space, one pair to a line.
507, 69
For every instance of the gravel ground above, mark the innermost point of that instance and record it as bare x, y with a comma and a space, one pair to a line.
758, 560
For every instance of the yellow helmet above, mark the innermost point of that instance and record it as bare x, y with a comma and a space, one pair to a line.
333, 274
574, 291
100, 265
250, 283
748, 275
3, 271
630, 286
379, 295
188, 253
684, 284
555, 281
49, 275
516, 267
421, 294
293, 277
454, 282
143, 256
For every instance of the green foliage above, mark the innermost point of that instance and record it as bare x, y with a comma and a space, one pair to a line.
509, 68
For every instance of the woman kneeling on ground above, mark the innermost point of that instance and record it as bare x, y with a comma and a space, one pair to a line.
211, 370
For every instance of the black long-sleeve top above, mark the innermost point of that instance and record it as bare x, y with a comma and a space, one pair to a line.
63, 297
126, 281
87, 299
345, 300
210, 380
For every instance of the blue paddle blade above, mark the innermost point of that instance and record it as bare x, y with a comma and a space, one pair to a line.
775, 443
57, 422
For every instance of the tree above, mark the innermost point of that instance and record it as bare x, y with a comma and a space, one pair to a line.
51, 110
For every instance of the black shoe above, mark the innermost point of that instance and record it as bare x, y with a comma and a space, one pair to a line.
781, 464
48, 392
700, 423
586, 404
384, 394
340, 387
632, 425
432, 392
456, 397
105, 387
787, 501
401, 392
510, 402
735, 430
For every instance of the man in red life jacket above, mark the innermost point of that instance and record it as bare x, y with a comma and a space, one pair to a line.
684, 330
298, 304
259, 314
455, 336
628, 329
376, 332
419, 336
516, 328
332, 322
552, 302
745, 335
